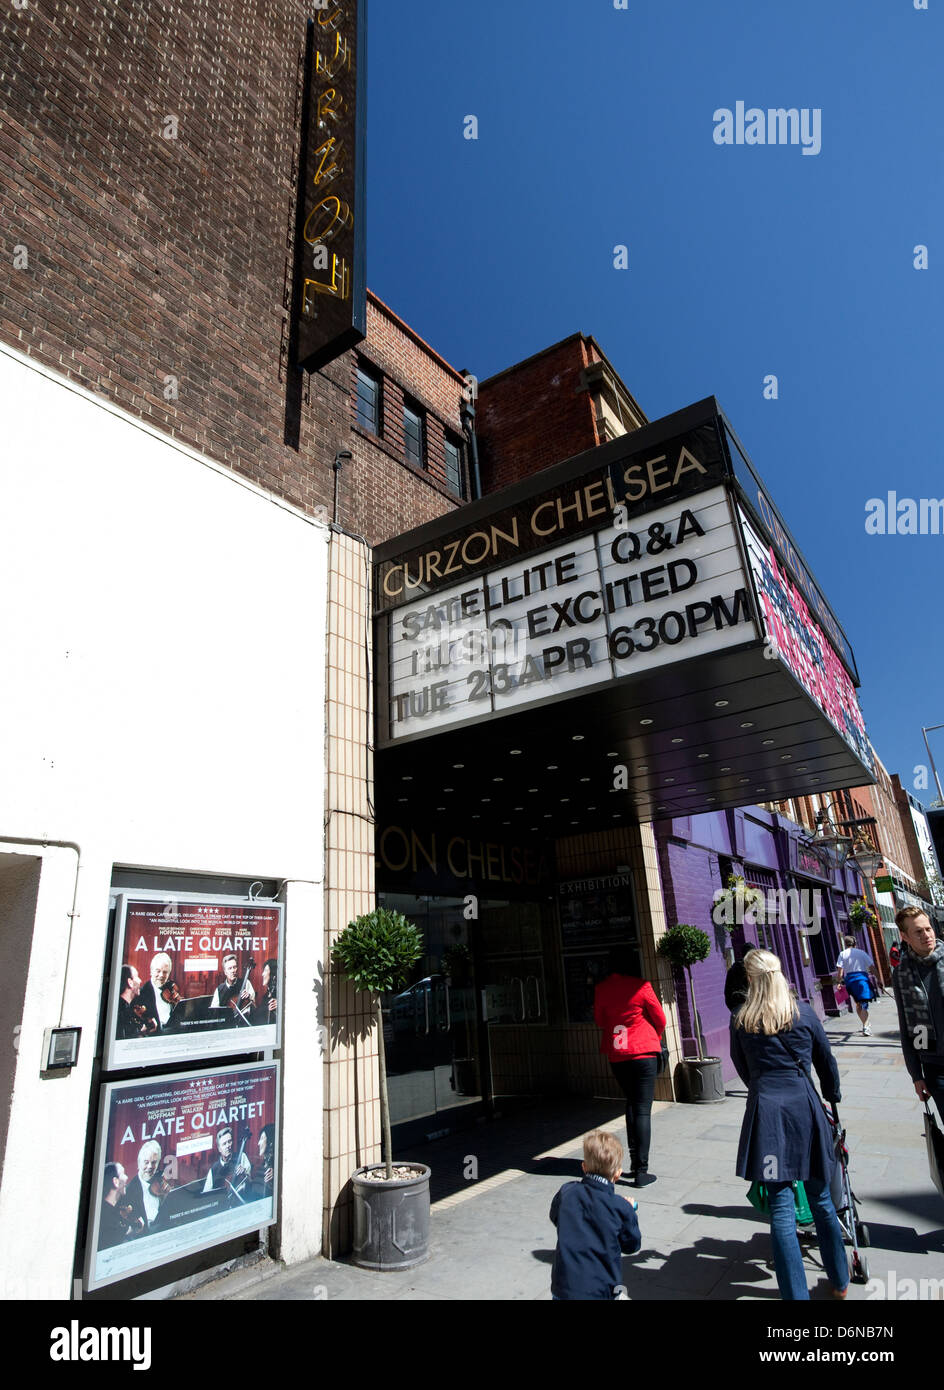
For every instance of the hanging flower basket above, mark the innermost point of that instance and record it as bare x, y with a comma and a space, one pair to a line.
732, 903
860, 914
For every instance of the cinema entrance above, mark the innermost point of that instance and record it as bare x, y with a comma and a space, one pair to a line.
499, 1009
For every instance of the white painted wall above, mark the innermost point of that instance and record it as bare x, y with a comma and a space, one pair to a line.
162, 705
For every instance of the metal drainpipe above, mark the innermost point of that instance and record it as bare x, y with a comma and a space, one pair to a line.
468, 424
341, 454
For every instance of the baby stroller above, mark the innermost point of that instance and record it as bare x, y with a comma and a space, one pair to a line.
855, 1232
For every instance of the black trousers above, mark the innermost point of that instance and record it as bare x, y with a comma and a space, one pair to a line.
636, 1078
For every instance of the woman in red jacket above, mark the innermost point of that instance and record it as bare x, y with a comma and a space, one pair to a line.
627, 1011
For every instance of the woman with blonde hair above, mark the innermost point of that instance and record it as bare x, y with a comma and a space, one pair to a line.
785, 1134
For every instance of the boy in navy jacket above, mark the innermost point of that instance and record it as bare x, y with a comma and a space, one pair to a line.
594, 1225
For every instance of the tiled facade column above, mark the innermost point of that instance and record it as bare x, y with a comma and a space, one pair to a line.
352, 1115
644, 860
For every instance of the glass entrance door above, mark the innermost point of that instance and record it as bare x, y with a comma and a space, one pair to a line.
431, 1028
514, 996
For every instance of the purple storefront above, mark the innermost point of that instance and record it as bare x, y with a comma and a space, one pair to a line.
801, 917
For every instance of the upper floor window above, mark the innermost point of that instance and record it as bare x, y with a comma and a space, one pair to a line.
455, 481
414, 443
368, 401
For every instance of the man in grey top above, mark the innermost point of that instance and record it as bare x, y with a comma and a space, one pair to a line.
918, 983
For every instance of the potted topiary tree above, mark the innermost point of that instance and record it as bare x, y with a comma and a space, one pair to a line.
684, 946
391, 1200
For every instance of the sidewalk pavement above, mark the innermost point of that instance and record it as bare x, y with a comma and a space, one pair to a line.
491, 1238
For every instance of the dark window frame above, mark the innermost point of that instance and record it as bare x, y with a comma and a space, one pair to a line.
452, 441
367, 373
413, 408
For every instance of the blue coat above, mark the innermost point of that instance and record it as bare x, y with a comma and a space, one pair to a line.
594, 1225
785, 1134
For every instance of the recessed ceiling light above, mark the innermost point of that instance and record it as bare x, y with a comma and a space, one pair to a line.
711, 798
552, 767
749, 724
534, 830
785, 757
645, 721
643, 767
406, 778
721, 704
440, 808
768, 743
742, 780
689, 789
498, 779
506, 822
532, 789
802, 769
669, 779
725, 769
486, 799
403, 798
585, 779
514, 752
564, 799
760, 789
613, 791
704, 755
519, 808
574, 822
458, 764
678, 740
591, 808
447, 789
476, 816
547, 815
612, 755
617, 815
660, 808
577, 738
816, 779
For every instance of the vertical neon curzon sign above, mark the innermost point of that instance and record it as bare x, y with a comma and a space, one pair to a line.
330, 300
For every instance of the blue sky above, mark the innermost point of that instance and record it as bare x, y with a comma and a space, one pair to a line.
595, 129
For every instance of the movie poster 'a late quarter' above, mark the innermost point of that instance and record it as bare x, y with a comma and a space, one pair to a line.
182, 1163
192, 979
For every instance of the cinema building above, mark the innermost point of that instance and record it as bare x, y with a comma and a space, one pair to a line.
582, 683
301, 621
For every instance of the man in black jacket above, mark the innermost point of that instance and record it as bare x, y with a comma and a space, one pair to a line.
735, 982
918, 983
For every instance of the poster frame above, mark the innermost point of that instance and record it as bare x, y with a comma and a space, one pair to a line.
167, 1049
110, 1088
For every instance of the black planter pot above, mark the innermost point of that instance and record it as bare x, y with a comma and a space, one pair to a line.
391, 1219
702, 1080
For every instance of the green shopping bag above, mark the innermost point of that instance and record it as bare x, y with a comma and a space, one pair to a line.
757, 1196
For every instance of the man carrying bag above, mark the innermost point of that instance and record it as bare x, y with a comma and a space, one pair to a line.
918, 983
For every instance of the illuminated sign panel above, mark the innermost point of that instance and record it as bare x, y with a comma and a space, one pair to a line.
612, 603
775, 529
330, 309
802, 645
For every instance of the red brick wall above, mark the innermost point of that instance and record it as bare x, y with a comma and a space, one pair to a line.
151, 257
535, 414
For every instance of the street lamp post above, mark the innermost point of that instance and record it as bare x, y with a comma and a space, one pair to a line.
925, 731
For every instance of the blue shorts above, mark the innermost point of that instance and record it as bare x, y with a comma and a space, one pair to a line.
860, 987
